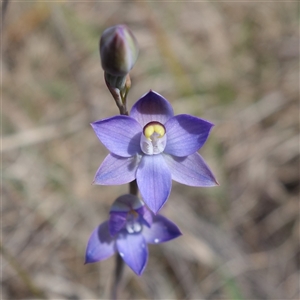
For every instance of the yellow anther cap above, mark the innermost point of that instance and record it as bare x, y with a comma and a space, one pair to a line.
148, 131
154, 127
158, 128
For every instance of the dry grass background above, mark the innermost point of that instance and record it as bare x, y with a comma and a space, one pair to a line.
235, 64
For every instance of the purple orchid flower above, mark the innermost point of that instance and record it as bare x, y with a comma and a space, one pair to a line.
153, 146
130, 228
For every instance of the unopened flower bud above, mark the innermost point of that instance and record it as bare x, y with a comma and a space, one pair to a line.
118, 50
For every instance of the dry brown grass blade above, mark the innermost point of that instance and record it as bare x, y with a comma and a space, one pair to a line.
43, 134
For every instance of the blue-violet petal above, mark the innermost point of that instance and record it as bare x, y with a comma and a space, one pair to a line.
116, 170
120, 135
117, 220
186, 134
126, 202
100, 245
154, 181
146, 215
151, 107
161, 230
134, 251
190, 170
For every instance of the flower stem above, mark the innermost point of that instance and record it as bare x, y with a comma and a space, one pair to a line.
133, 188
119, 88
118, 274
120, 99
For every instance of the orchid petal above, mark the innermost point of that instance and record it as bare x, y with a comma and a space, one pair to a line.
120, 135
116, 170
154, 181
186, 134
100, 245
161, 230
126, 202
117, 221
190, 170
152, 107
146, 214
134, 251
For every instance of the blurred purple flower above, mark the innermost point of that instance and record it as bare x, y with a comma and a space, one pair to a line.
153, 146
130, 228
